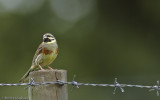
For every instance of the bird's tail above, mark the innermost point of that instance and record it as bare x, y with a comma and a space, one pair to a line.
25, 77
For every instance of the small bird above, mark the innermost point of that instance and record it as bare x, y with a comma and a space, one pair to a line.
45, 55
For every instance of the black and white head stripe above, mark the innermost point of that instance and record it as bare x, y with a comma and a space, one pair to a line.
48, 37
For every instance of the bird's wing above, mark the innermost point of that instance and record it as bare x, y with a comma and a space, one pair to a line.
39, 50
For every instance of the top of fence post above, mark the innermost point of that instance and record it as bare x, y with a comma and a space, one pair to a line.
48, 91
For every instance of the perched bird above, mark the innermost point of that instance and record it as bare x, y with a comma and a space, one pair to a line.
45, 55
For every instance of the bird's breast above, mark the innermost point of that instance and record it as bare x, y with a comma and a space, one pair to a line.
49, 55
46, 51
48, 59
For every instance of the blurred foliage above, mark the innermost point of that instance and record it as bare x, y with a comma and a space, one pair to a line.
98, 41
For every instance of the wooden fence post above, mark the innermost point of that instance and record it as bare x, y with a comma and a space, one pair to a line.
48, 92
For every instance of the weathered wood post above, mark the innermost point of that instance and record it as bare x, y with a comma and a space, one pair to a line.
48, 92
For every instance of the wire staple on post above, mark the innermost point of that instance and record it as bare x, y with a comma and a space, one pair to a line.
60, 82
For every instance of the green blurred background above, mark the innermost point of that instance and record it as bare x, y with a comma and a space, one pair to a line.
99, 40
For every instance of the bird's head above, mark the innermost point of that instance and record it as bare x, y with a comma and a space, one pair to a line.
48, 38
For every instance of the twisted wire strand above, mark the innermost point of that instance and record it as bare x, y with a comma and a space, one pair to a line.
76, 84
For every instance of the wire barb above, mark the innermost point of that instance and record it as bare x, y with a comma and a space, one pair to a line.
74, 83
117, 85
155, 87
32, 83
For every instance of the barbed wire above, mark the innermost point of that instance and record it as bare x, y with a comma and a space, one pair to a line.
77, 84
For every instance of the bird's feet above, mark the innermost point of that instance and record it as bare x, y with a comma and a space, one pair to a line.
41, 67
50, 67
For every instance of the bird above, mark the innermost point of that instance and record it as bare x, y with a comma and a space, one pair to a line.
44, 56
